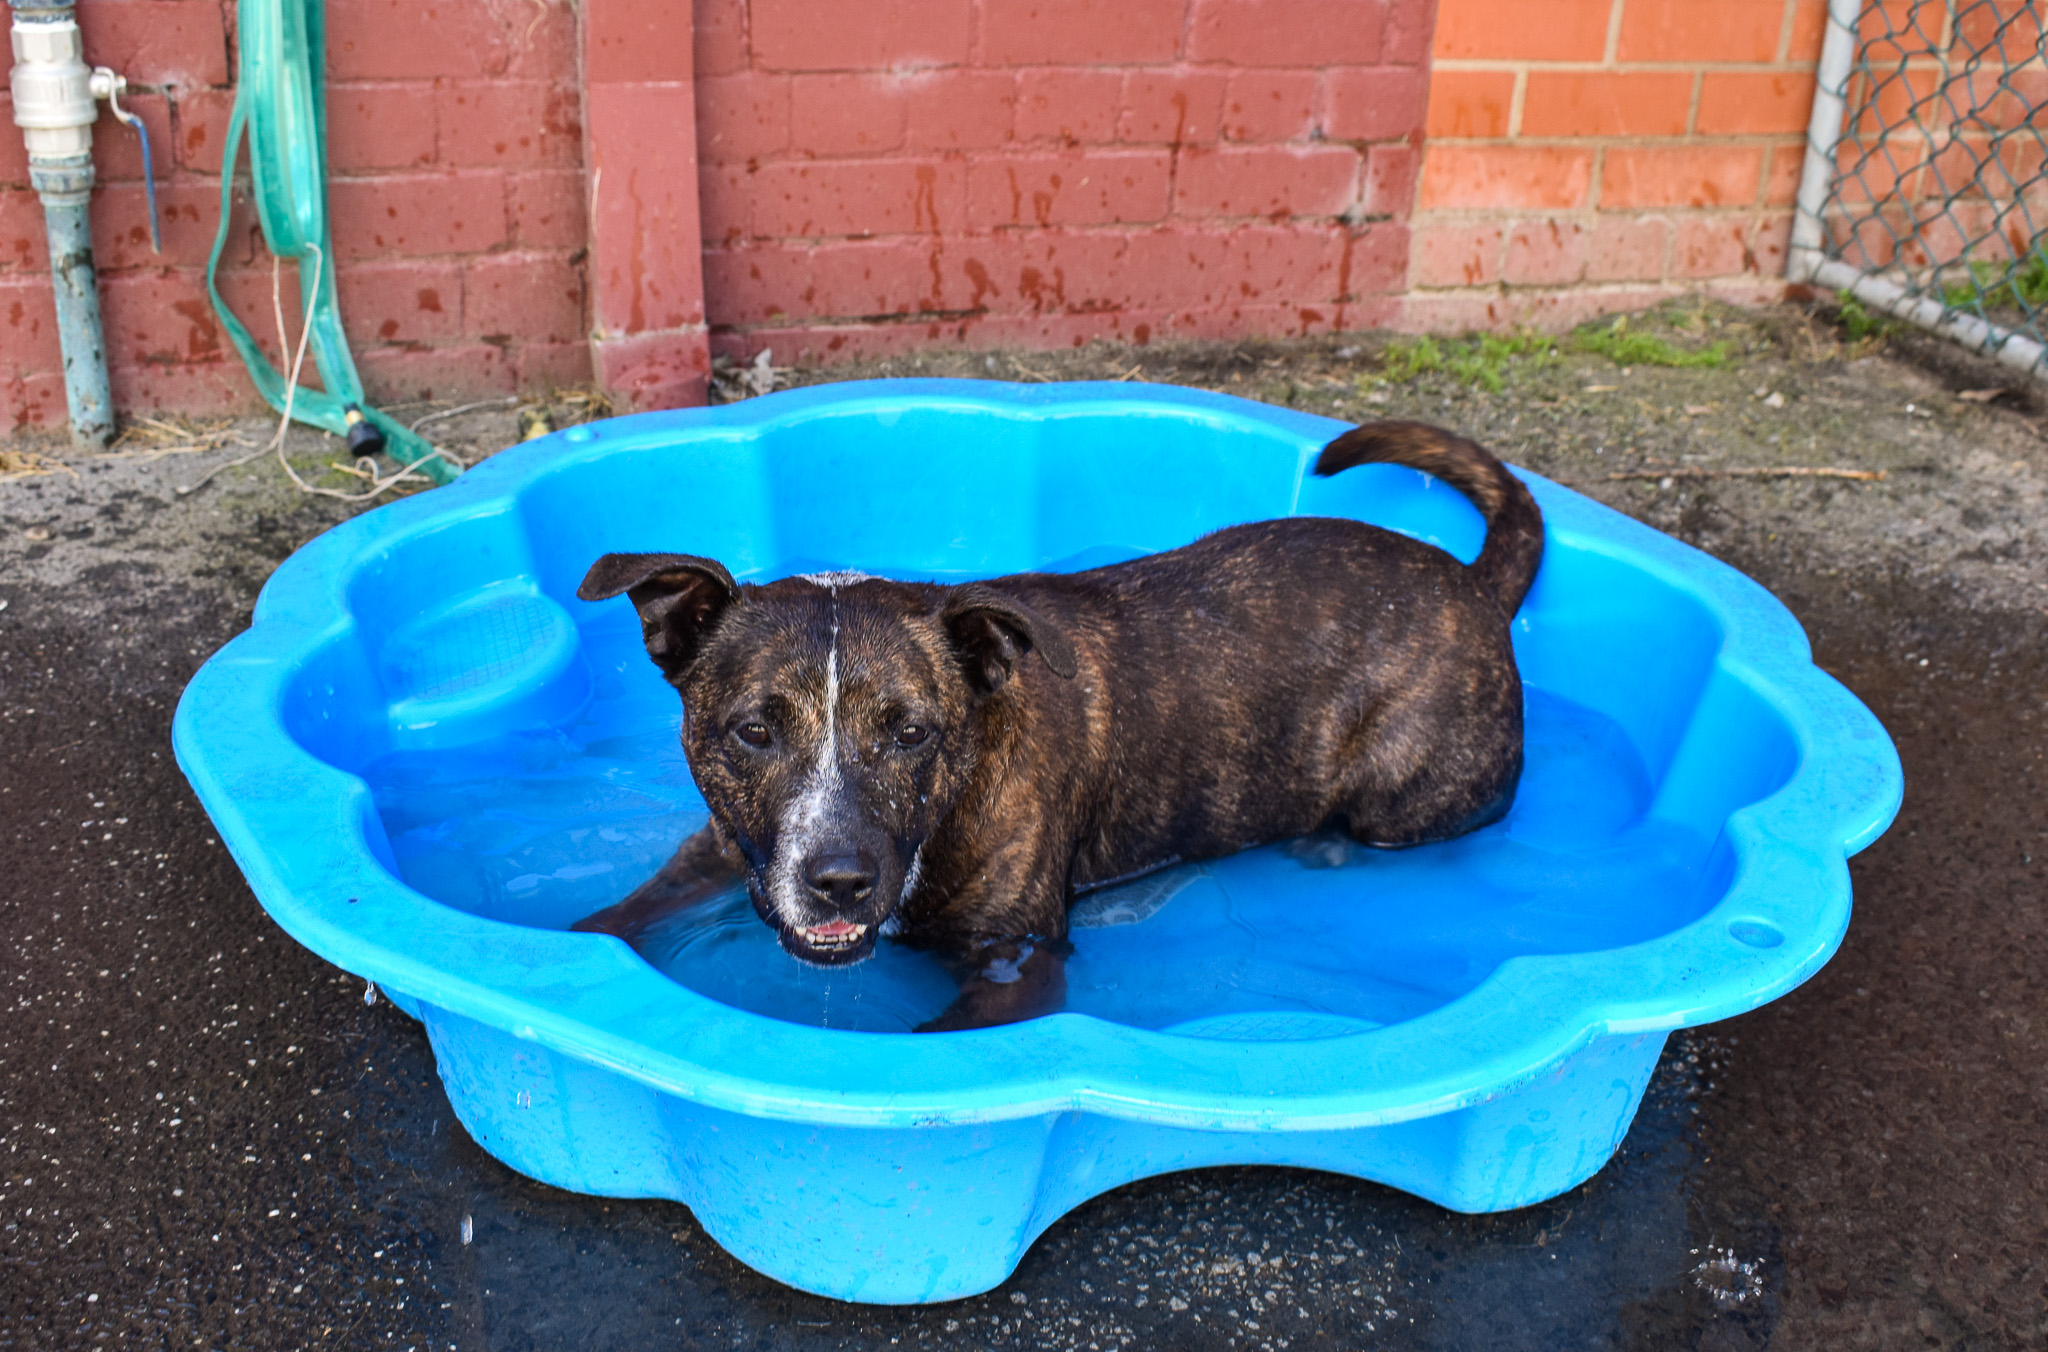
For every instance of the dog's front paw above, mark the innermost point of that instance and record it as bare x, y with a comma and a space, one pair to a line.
611, 920
954, 1020
971, 1011
1015, 982
1324, 849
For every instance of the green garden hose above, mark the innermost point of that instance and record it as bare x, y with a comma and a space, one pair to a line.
281, 102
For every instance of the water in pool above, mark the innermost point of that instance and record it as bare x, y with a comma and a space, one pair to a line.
543, 828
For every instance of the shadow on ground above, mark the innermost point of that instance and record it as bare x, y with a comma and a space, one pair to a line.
212, 1140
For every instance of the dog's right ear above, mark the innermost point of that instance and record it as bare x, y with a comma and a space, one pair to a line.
679, 597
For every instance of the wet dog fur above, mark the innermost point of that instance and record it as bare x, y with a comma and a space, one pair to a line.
952, 766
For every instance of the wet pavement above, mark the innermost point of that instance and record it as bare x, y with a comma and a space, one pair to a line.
209, 1139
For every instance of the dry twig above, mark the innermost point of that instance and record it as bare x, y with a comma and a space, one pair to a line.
29, 464
149, 439
506, 402
1752, 472
580, 405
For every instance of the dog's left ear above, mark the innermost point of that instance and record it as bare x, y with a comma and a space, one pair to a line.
993, 632
679, 597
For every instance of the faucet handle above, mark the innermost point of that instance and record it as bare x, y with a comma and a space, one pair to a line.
105, 84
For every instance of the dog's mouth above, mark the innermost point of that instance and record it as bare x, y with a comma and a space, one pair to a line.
834, 943
832, 934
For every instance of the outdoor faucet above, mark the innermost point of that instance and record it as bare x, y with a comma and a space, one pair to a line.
56, 101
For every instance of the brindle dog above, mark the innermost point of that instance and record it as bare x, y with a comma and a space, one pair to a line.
884, 758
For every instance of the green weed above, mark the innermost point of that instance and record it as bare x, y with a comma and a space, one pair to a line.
1407, 358
1624, 347
1860, 323
1481, 359
1993, 286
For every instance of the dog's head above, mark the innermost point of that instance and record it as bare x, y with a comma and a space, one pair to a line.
828, 722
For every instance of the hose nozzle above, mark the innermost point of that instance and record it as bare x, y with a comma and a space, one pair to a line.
364, 436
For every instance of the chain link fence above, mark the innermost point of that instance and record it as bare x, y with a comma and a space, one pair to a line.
1925, 192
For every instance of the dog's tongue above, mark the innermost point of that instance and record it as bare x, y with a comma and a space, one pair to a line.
833, 929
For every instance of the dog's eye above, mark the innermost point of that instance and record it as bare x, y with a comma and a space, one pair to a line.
910, 734
753, 734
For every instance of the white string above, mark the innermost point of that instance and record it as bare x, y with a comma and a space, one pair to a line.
405, 473
506, 402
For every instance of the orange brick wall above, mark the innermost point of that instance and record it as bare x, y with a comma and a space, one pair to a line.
1594, 155
881, 176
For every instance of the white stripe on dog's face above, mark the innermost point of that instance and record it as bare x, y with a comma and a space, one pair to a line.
804, 820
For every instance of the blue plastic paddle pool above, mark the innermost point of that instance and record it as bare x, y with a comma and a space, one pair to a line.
430, 758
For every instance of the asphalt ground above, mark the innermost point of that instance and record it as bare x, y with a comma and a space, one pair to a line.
210, 1139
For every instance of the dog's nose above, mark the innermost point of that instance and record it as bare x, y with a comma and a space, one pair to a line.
844, 879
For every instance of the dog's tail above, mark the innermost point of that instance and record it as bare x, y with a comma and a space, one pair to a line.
1514, 525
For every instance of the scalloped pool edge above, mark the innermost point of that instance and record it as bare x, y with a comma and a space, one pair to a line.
577, 1063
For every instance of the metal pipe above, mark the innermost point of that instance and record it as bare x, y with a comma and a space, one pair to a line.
2016, 350
1823, 138
67, 218
54, 107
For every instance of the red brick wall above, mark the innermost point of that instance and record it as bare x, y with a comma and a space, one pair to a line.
870, 175
455, 146
646, 246
1591, 155
877, 176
